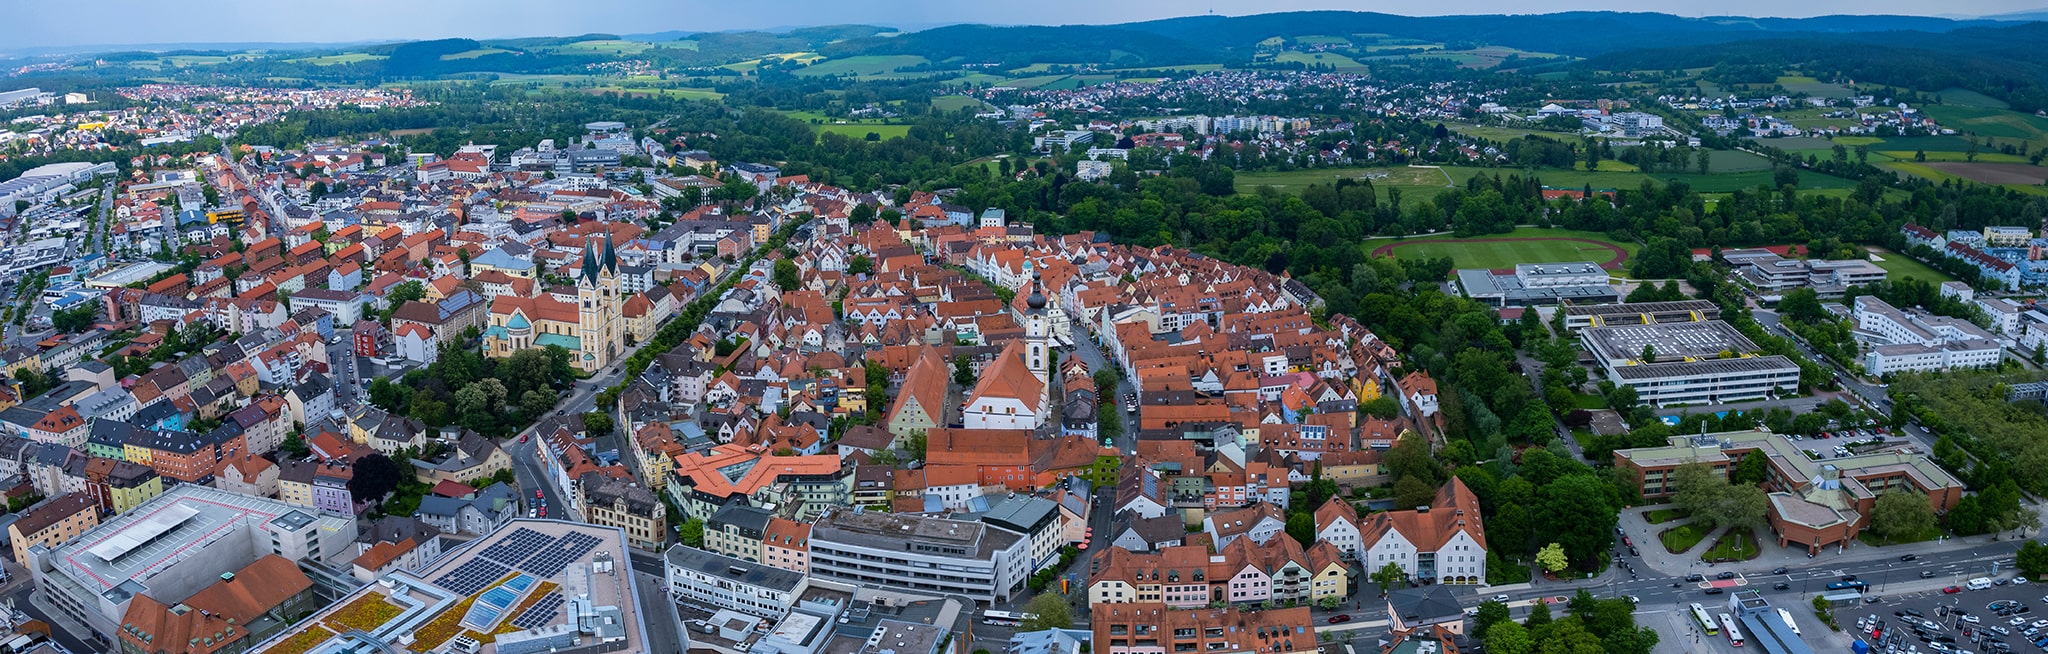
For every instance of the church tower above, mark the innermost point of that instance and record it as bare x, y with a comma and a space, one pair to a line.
1036, 356
597, 305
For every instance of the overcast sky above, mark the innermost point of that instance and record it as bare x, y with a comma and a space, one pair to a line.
43, 23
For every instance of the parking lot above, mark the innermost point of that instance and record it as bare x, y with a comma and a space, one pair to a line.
1967, 616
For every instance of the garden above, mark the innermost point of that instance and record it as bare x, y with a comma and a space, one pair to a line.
1739, 544
1683, 537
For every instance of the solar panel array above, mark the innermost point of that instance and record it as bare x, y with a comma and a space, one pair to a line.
472, 576
541, 613
516, 546
558, 555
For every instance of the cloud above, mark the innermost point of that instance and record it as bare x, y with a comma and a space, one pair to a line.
115, 22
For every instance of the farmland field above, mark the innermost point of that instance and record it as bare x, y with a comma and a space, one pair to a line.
862, 65
336, 59
883, 132
1985, 121
1811, 86
604, 46
1994, 173
472, 54
1294, 181
1498, 133
952, 103
1951, 155
1968, 98
1733, 161
1342, 63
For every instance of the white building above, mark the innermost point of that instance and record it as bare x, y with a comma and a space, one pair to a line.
709, 579
924, 554
1444, 541
1705, 362
1918, 340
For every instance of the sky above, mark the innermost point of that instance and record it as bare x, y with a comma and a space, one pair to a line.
41, 23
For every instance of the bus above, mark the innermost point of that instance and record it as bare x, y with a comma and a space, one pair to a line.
1848, 585
1787, 615
1734, 635
1004, 618
1707, 623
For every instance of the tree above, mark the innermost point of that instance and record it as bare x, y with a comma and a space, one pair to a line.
1649, 354
1302, 526
1508, 637
1410, 457
2033, 559
1490, 613
1389, 576
1750, 471
963, 371
1552, 558
1048, 611
1578, 512
1901, 513
1539, 615
1412, 492
860, 264
76, 319
786, 276
1508, 530
374, 476
691, 532
597, 423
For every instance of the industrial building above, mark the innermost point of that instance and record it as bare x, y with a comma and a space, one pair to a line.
1579, 317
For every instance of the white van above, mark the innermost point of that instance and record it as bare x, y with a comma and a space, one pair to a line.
1979, 583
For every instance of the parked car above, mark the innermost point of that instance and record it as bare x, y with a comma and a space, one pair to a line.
1951, 590
1632, 551
1695, 577
1339, 619
1926, 574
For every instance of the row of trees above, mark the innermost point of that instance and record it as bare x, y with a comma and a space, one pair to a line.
1591, 626
486, 395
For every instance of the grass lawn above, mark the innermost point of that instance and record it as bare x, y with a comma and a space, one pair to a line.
1917, 170
1681, 538
1736, 545
1497, 133
1899, 266
1721, 162
1613, 166
1034, 82
882, 132
1496, 254
1968, 98
1951, 155
952, 103
1661, 516
1409, 180
1588, 401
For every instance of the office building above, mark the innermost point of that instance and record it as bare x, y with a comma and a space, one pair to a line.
933, 555
1913, 339
535, 586
716, 581
1581, 316
1814, 503
176, 545
1705, 362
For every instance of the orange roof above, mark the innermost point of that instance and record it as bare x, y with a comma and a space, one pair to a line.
1008, 377
382, 554
705, 470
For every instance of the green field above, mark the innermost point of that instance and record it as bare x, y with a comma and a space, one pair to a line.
687, 94
863, 66
1951, 155
604, 46
1898, 266
337, 59
1342, 63
883, 132
1721, 162
1418, 184
1415, 183
952, 103
1968, 98
1986, 121
1034, 82
472, 54
1498, 133
1319, 39
1811, 86
1493, 254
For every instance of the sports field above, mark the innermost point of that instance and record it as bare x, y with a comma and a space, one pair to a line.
1526, 245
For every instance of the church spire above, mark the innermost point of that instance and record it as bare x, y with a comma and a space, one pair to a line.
589, 261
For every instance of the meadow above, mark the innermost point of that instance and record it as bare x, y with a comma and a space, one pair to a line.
1898, 266
1484, 253
862, 66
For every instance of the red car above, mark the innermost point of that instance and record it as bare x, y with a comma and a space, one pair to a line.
1625, 541
1951, 590
536, 493
1339, 619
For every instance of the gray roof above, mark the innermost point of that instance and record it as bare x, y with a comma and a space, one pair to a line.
742, 516
1022, 514
1427, 604
726, 567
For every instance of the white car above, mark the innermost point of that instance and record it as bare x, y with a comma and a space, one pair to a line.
2018, 580
1500, 598
1971, 619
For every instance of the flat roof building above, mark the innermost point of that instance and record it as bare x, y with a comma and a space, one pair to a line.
1705, 362
177, 544
1581, 316
538, 585
1534, 284
710, 579
976, 560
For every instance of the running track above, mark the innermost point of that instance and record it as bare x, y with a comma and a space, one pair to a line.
1613, 262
